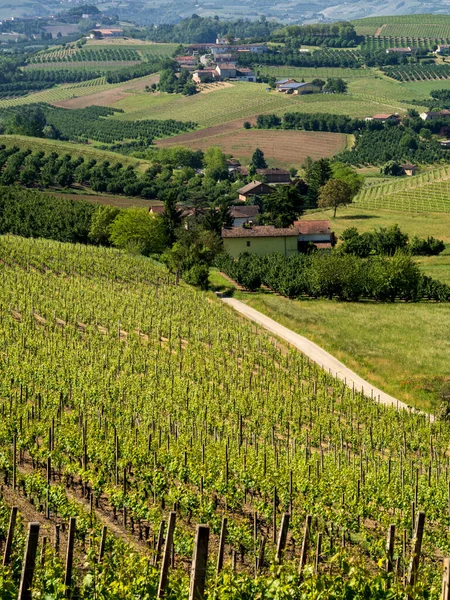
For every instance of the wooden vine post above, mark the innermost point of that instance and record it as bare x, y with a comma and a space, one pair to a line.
415, 556
223, 535
159, 542
102, 544
446, 580
305, 544
29, 562
10, 535
167, 555
14, 481
199, 563
69, 555
282, 537
390, 549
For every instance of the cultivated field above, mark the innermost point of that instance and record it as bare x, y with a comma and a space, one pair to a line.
86, 151
246, 100
424, 26
281, 148
427, 192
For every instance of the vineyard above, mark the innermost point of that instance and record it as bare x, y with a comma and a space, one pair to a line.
383, 42
420, 25
428, 192
109, 416
418, 72
87, 54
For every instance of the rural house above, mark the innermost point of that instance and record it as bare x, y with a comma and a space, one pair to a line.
274, 175
402, 51
281, 82
202, 75
384, 118
241, 215
106, 33
226, 70
299, 88
254, 188
443, 49
438, 114
261, 240
314, 232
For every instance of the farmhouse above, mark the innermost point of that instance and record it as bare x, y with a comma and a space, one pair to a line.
246, 214
299, 88
444, 143
186, 62
202, 75
274, 175
314, 232
384, 118
404, 51
429, 116
254, 188
281, 82
230, 71
261, 240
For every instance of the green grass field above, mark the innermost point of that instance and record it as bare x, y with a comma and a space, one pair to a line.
421, 224
86, 151
401, 348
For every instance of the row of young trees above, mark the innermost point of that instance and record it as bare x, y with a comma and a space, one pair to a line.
337, 275
290, 56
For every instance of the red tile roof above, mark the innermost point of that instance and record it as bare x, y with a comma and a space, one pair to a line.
312, 227
259, 231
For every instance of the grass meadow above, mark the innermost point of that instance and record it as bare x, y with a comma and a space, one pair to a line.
404, 349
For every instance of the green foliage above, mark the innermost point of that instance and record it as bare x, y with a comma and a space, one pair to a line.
426, 247
30, 120
335, 85
284, 205
215, 164
391, 168
258, 161
138, 231
102, 219
335, 193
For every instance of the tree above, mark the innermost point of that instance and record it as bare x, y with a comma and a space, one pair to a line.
192, 254
101, 224
171, 217
247, 125
355, 243
318, 82
282, 207
388, 240
258, 160
335, 193
137, 230
348, 175
215, 164
30, 120
335, 85
391, 168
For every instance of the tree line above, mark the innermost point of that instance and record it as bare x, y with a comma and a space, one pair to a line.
335, 275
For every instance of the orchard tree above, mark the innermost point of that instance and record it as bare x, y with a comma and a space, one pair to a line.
335, 193
138, 231
102, 219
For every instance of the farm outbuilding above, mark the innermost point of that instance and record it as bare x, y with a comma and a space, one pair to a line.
299, 88
260, 240
314, 232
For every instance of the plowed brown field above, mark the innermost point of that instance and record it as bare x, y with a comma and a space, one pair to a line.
282, 148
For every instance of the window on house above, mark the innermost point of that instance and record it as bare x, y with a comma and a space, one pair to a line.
248, 244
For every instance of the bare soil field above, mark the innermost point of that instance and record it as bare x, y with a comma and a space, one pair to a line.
108, 97
281, 148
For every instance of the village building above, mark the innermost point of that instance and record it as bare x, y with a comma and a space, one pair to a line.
440, 114
314, 232
280, 176
202, 75
260, 239
404, 51
244, 215
384, 118
254, 188
281, 82
299, 88
186, 62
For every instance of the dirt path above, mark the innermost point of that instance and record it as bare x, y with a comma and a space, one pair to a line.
379, 31
318, 355
184, 138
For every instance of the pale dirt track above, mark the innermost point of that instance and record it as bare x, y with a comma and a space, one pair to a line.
318, 355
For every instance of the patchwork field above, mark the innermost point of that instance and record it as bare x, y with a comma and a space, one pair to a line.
281, 148
425, 26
